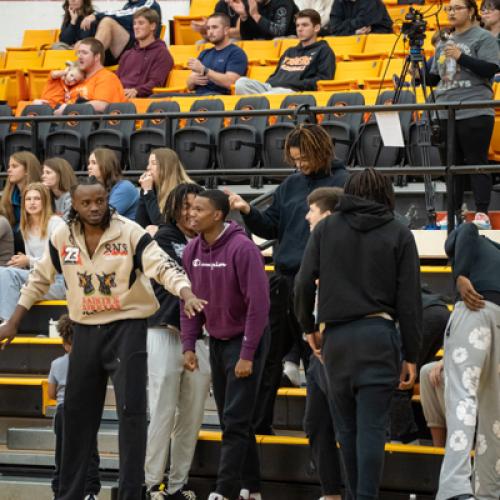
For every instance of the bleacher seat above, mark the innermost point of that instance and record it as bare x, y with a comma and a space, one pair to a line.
260, 73
37, 79
56, 59
343, 128
259, 51
183, 33
23, 59
154, 133
240, 144
274, 135
114, 134
182, 53
390, 68
21, 138
370, 150
381, 45
4, 130
343, 46
196, 143
176, 81
69, 140
13, 86
39, 39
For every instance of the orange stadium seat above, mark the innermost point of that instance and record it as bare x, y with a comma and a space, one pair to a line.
343, 46
56, 59
14, 87
182, 53
37, 78
183, 34
38, 39
176, 82
390, 67
351, 74
23, 59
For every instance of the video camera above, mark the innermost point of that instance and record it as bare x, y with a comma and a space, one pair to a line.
413, 28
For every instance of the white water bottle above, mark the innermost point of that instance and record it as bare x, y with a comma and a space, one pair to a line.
450, 64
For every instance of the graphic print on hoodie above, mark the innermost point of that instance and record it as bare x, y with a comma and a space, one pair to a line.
230, 276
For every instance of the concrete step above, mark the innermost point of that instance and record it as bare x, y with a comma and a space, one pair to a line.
26, 488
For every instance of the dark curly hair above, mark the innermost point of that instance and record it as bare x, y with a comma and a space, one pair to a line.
371, 185
65, 328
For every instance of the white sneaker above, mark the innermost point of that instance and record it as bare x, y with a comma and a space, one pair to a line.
291, 370
246, 495
157, 494
482, 221
91, 497
216, 496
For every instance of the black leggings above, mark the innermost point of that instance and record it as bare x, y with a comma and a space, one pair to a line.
472, 141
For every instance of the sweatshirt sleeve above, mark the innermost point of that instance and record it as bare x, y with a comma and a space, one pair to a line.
157, 265
368, 13
39, 279
157, 75
150, 210
305, 282
409, 299
69, 32
255, 288
482, 68
265, 223
191, 328
123, 196
277, 25
461, 248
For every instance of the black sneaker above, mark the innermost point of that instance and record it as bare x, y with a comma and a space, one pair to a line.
182, 495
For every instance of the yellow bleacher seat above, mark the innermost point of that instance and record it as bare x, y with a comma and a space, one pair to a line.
176, 82
260, 73
494, 153
182, 53
355, 71
183, 33
163, 30
390, 67
398, 12
287, 43
442, 19
56, 59
2, 60
343, 46
258, 51
14, 87
381, 46
23, 59
38, 39
37, 78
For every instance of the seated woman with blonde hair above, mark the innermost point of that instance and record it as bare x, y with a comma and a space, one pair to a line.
37, 224
163, 174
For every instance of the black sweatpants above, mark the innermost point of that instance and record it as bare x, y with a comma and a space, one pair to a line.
236, 398
318, 426
116, 350
362, 365
92, 481
284, 328
472, 142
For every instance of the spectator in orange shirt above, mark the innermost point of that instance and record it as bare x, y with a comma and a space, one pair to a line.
60, 86
100, 86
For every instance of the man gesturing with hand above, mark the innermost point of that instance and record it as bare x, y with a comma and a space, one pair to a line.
227, 270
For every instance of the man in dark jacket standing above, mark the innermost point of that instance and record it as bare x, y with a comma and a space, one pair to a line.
310, 149
265, 19
359, 17
369, 279
227, 269
147, 64
300, 67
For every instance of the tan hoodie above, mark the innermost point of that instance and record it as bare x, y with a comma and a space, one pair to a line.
112, 285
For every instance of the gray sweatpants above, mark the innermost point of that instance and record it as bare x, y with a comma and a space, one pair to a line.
248, 86
472, 397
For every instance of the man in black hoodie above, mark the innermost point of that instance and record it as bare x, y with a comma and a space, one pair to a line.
368, 269
265, 19
310, 149
176, 396
300, 67
359, 17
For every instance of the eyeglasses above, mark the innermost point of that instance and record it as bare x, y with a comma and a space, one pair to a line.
487, 9
454, 8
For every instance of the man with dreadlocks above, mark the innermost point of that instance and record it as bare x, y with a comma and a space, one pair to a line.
309, 148
107, 261
368, 267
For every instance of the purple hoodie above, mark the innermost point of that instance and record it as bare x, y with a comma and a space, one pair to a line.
145, 68
230, 275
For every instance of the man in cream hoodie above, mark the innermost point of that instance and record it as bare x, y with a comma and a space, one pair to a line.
107, 261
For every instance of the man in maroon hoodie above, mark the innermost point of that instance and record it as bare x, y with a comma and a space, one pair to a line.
148, 63
226, 269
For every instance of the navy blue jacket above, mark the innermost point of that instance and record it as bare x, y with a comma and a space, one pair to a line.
284, 219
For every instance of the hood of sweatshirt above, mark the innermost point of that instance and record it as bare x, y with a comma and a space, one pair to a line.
363, 215
219, 244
